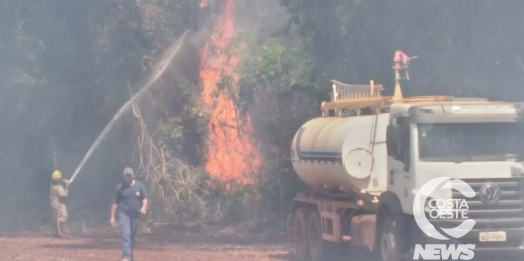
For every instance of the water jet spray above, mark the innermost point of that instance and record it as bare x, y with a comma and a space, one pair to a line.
159, 70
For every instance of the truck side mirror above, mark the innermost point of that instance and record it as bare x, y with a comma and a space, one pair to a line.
392, 141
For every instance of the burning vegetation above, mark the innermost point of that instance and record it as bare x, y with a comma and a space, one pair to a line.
232, 154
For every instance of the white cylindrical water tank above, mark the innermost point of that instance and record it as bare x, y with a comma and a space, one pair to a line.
342, 153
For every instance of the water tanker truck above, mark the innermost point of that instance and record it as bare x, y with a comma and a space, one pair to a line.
368, 159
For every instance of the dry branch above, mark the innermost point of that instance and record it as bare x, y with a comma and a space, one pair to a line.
176, 187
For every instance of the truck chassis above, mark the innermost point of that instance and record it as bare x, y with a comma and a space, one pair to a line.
323, 226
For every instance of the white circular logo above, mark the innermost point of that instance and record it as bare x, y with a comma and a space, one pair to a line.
455, 109
444, 208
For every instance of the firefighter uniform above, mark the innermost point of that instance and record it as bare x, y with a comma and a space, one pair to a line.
57, 195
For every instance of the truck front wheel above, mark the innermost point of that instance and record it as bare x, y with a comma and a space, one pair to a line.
391, 242
300, 235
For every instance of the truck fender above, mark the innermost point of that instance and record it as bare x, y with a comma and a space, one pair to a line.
389, 200
389, 205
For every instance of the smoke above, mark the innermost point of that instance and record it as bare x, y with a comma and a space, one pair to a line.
260, 19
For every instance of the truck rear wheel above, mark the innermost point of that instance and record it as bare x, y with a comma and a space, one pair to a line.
300, 235
317, 247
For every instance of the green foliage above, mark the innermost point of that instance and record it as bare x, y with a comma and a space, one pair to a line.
278, 89
271, 68
464, 48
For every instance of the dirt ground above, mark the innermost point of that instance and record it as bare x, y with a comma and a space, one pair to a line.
162, 244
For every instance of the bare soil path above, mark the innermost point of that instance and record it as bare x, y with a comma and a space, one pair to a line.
164, 244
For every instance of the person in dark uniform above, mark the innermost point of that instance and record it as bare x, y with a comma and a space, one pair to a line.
130, 200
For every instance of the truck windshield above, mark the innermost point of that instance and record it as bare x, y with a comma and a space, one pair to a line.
470, 141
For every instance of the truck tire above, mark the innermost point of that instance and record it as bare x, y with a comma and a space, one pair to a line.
390, 244
317, 246
300, 235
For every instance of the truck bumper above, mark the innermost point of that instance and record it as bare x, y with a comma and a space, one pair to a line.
513, 246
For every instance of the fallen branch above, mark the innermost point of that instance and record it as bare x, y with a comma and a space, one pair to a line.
175, 185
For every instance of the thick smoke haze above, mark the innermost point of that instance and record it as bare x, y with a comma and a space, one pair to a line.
66, 68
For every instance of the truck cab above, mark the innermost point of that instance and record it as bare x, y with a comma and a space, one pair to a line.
473, 140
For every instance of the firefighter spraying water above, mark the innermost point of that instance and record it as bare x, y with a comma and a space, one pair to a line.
58, 192
59, 185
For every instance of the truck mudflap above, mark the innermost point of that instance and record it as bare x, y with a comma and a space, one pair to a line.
363, 231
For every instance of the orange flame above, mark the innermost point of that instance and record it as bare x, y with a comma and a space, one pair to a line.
232, 155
